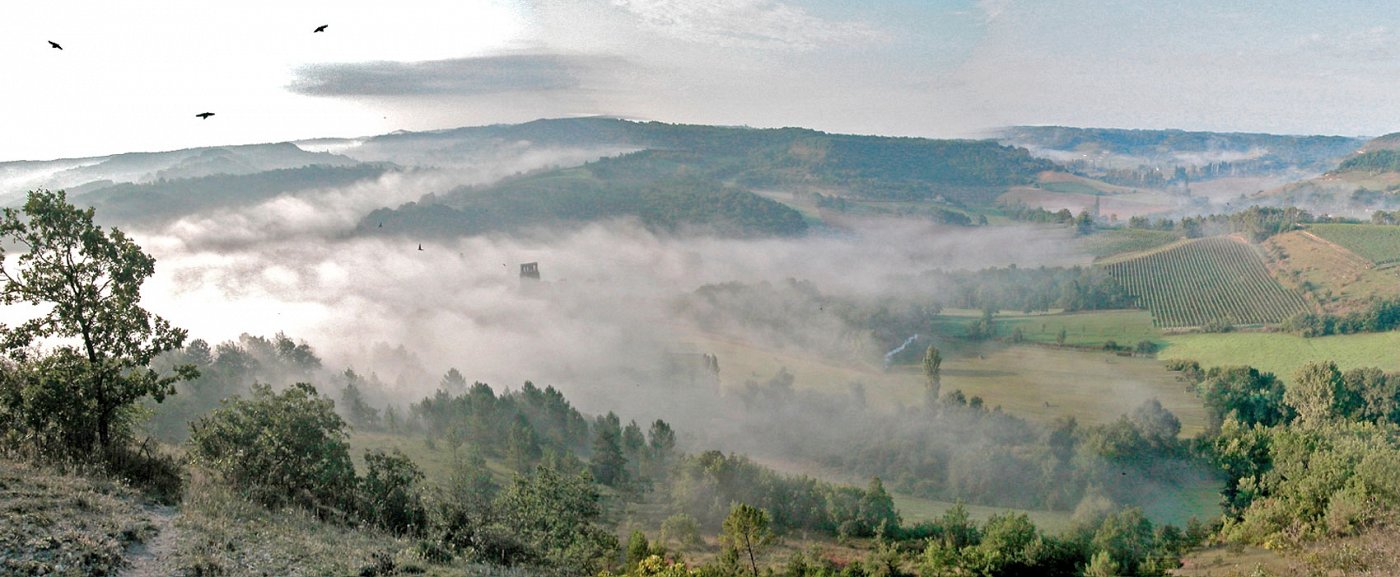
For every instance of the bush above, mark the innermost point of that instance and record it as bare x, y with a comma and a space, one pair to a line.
279, 449
45, 414
388, 496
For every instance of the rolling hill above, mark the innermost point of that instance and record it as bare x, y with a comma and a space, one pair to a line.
700, 176
142, 167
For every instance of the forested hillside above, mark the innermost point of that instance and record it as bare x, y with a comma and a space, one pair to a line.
699, 176
165, 199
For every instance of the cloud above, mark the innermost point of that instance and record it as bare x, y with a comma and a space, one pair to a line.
752, 23
459, 76
993, 9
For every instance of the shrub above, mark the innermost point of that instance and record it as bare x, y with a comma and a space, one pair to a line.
388, 495
279, 449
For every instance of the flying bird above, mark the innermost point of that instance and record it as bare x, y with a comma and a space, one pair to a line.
55, 45
204, 115
321, 28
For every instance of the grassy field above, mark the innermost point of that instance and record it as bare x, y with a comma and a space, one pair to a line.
1082, 329
1121, 240
437, 461
1075, 184
1332, 277
1211, 279
1035, 382
1283, 354
1122, 206
1377, 243
915, 509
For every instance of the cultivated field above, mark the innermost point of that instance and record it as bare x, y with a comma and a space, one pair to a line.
1377, 243
1283, 354
1122, 240
1212, 279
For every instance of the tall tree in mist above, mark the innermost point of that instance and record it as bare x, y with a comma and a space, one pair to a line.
933, 362
453, 382
607, 462
90, 281
748, 531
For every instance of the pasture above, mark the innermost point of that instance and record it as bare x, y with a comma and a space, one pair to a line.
1200, 500
1208, 280
1283, 354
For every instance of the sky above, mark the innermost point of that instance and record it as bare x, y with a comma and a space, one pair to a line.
132, 75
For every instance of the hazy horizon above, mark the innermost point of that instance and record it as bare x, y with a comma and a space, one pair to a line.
130, 78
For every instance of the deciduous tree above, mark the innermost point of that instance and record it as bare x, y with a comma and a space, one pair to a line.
87, 280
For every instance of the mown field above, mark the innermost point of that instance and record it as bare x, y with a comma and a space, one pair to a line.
1377, 243
1283, 354
1204, 281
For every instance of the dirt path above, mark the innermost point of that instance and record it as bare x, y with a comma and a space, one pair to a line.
149, 559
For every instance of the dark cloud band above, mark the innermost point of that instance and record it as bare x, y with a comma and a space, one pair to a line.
460, 76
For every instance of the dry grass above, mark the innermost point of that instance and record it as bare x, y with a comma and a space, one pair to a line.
1374, 553
225, 535
58, 524
1332, 278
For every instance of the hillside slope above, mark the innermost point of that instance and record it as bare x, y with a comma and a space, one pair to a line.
701, 176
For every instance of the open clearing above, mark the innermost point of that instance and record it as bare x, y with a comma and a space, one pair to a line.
1283, 354
1035, 382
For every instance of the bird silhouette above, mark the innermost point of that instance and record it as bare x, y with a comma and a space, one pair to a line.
321, 28
55, 45
204, 115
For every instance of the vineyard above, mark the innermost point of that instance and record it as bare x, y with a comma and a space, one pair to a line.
1205, 281
1377, 243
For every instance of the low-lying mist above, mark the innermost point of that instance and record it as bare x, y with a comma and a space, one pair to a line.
613, 323
602, 313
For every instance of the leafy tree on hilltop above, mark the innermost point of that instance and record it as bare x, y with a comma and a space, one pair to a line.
1315, 392
91, 278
